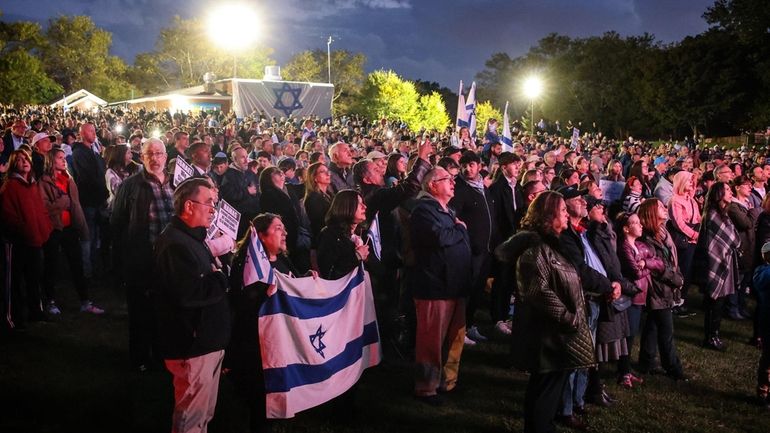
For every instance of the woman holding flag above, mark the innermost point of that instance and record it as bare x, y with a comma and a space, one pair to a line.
243, 358
340, 249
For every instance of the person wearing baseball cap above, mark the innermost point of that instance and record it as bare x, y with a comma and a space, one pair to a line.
601, 280
380, 160
41, 145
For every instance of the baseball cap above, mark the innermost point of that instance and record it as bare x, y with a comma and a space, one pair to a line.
375, 154
41, 135
659, 160
569, 192
592, 202
765, 248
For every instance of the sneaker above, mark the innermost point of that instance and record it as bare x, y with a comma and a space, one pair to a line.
52, 309
626, 382
469, 342
89, 307
502, 327
474, 334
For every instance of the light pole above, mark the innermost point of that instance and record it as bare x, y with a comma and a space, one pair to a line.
532, 87
233, 27
329, 58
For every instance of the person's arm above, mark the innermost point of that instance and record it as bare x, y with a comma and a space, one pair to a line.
534, 280
678, 213
188, 288
426, 229
593, 281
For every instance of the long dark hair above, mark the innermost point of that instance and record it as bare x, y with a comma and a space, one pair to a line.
648, 216
541, 213
260, 223
392, 168
636, 170
714, 198
343, 208
266, 179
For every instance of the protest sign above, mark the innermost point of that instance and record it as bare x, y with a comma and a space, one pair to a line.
612, 191
182, 171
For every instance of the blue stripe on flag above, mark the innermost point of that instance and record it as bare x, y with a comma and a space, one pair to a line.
254, 261
303, 308
285, 378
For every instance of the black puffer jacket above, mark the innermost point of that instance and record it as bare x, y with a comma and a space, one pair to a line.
550, 330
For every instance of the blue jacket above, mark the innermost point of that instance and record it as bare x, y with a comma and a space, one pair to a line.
442, 268
762, 289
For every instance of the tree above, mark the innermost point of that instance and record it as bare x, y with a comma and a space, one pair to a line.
76, 56
385, 94
484, 112
184, 53
22, 78
347, 73
448, 96
432, 114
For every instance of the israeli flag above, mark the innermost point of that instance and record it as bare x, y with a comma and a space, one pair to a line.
316, 338
470, 110
462, 117
307, 134
257, 266
506, 137
374, 235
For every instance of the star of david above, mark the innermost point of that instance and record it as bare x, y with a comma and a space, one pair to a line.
279, 99
315, 341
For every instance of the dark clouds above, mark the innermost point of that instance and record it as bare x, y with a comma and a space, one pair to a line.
437, 40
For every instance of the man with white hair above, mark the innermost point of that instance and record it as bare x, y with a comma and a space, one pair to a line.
340, 167
142, 208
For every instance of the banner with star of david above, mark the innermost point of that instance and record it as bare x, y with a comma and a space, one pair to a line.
282, 98
316, 338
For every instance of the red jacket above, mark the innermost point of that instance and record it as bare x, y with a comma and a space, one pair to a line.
24, 217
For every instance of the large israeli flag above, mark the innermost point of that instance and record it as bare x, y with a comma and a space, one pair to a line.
257, 266
462, 118
506, 137
317, 337
470, 109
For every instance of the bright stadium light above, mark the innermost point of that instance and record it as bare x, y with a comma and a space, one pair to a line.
234, 27
533, 87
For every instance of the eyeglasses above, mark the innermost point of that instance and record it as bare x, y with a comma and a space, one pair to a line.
210, 205
449, 178
154, 154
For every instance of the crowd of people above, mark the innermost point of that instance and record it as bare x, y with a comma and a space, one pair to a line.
573, 274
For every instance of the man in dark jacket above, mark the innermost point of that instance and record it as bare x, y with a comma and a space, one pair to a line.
12, 140
381, 202
340, 167
508, 210
191, 304
472, 203
238, 191
143, 207
88, 169
598, 285
439, 280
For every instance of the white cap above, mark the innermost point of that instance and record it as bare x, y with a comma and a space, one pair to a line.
39, 136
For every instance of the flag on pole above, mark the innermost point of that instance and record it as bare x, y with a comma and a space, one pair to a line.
257, 266
462, 118
506, 139
374, 235
316, 339
470, 110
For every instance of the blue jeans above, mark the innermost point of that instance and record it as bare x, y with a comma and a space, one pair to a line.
88, 247
575, 389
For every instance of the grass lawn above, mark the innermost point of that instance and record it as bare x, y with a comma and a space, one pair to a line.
71, 376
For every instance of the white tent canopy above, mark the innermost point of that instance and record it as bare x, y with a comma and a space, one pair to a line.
81, 99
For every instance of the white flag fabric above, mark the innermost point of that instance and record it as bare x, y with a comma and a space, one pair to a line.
462, 118
316, 337
257, 266
506, 137
470, 109
374, 235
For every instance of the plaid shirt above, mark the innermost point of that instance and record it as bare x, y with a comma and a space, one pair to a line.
161, 206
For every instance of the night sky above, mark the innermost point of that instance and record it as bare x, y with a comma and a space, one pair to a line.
434, 40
